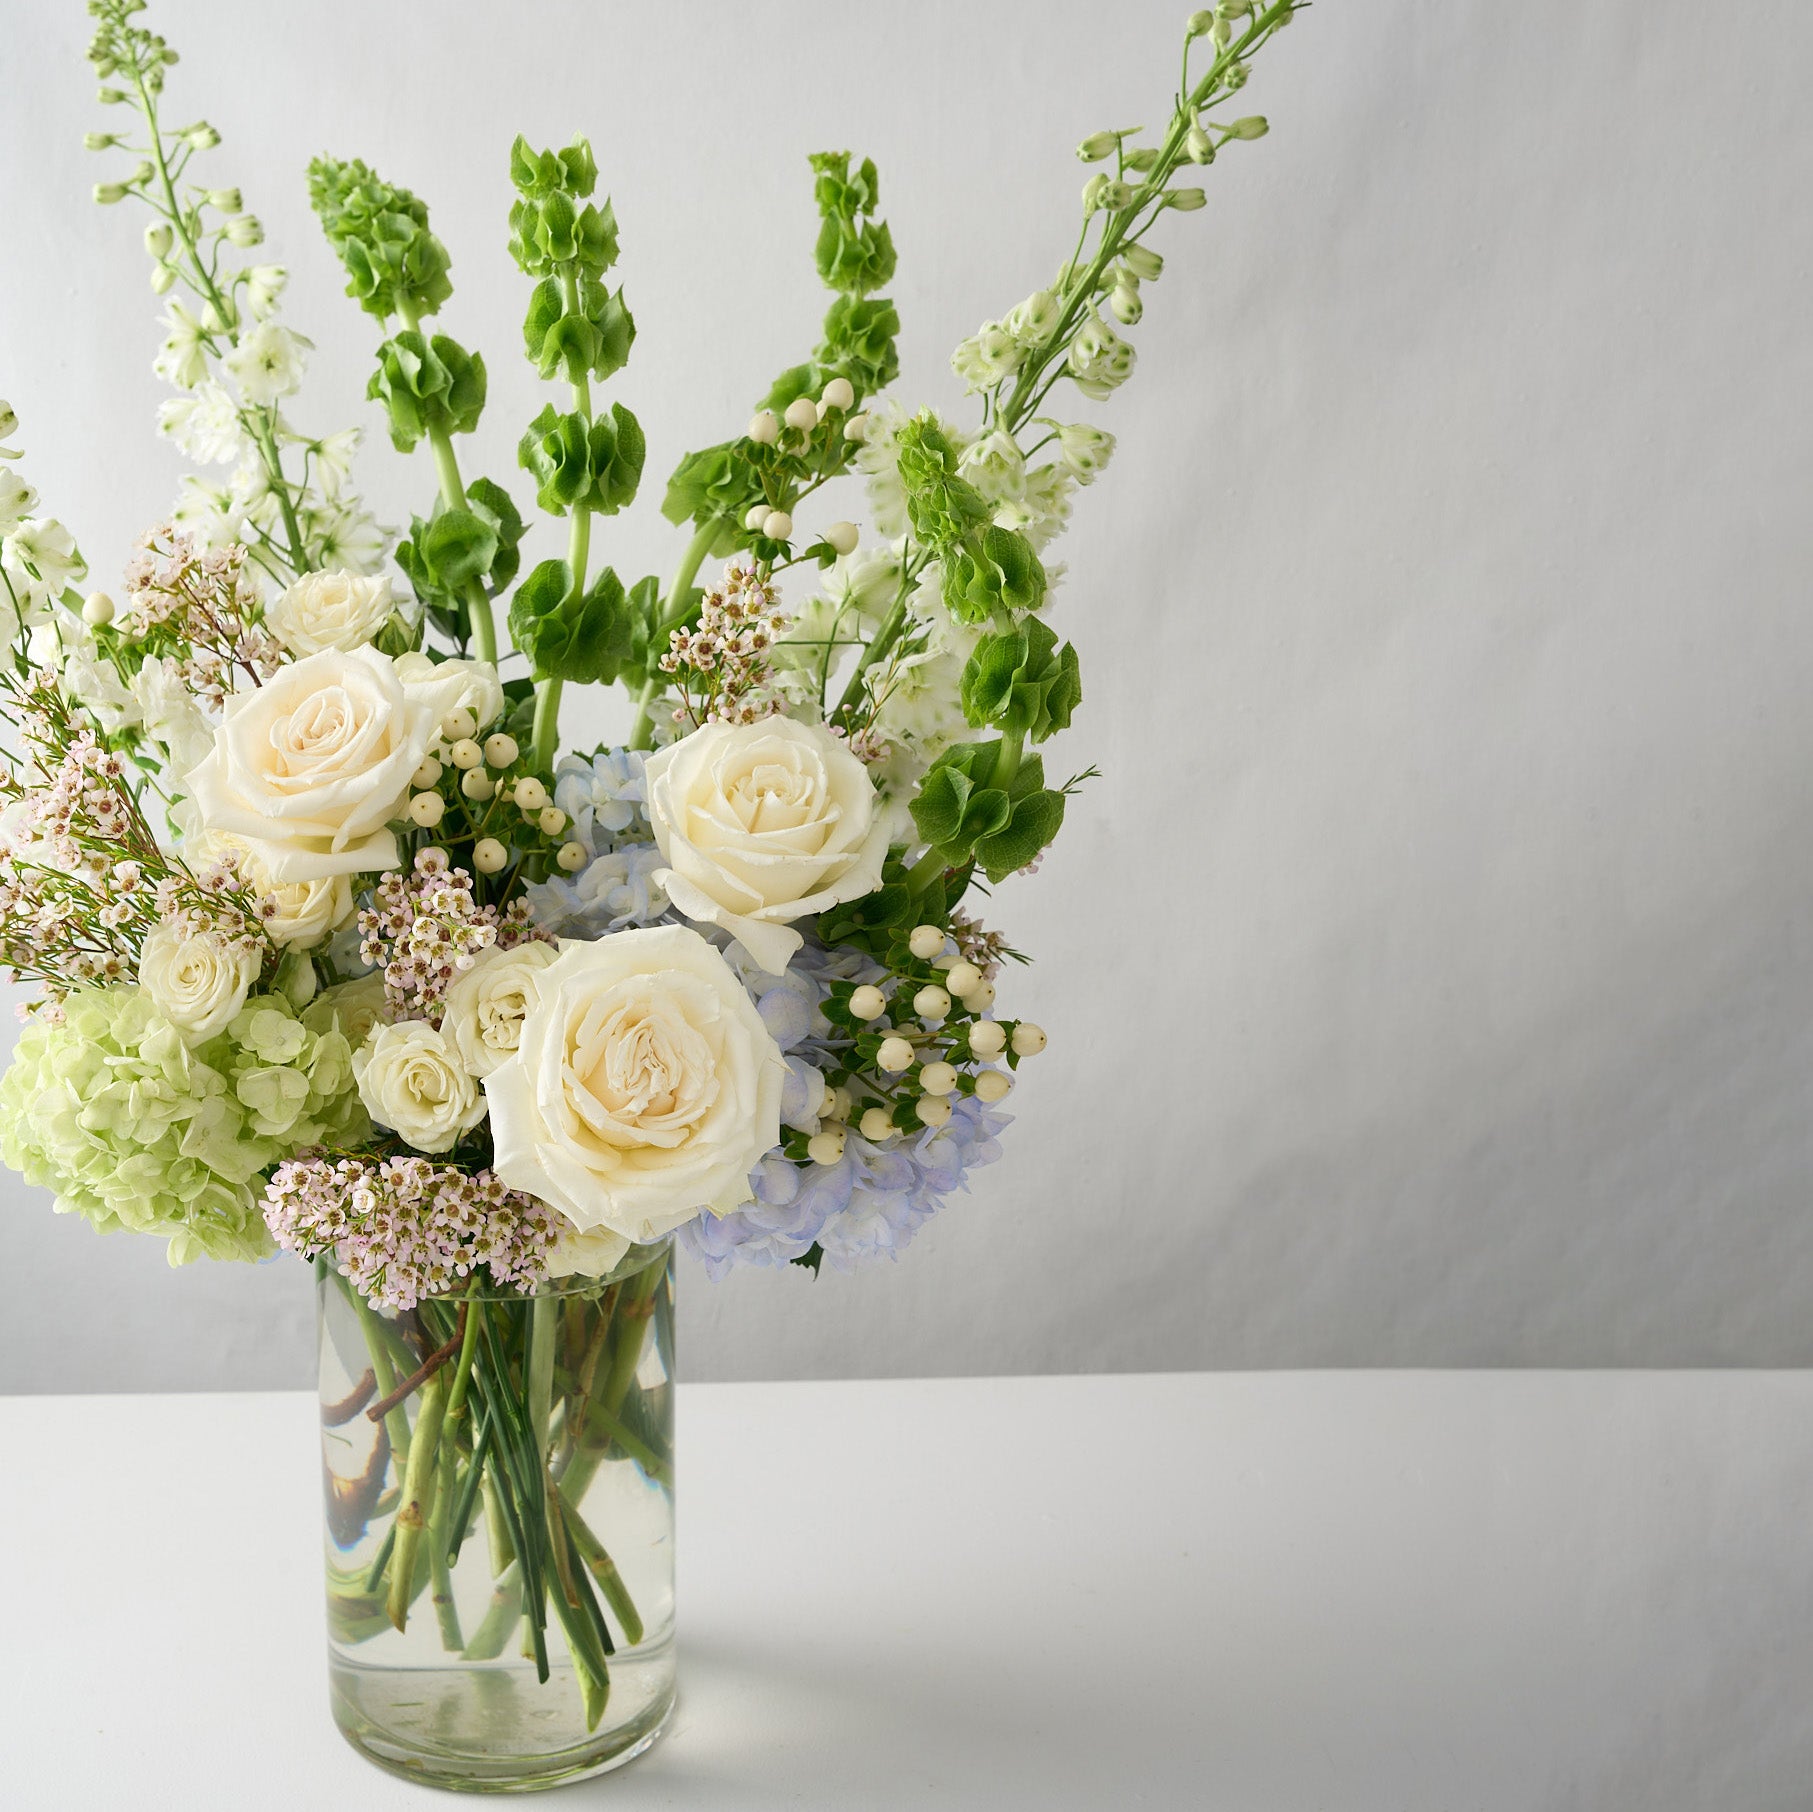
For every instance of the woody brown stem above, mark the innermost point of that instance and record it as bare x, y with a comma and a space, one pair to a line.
422, 1373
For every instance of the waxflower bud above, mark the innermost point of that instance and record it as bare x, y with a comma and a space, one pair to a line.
933, 1110
754, 517
993, 1086
826, 1147
501, 750
763, 428
868, 1002
777, 525
926, 942
425, 809
843, 537
802, 414
1143, 262
877, 1124
1097, 146
895, 1055
159, 239
572, 857
1186, 201
1253, 126
97, 607
488, 855
838, 394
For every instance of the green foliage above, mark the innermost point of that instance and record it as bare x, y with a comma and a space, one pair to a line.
597, 467
594, 639
942, 507
858, 344
718, 483
992, 571
854, 255
965, 814
591, 340
454, 546
427, 385
379, 231
552, 224
1021, 681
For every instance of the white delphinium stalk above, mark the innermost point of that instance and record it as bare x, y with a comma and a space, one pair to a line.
878, 460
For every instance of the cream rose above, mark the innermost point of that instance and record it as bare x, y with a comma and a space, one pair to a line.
411, 1080
309, 768
481, 691
588, 1254
644, 1086
484, 1008
761, 824
306, 911
330, 610
197, 979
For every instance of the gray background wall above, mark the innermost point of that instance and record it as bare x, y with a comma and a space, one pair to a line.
1429, 977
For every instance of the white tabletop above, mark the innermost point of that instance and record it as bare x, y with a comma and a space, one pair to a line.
1362, 1592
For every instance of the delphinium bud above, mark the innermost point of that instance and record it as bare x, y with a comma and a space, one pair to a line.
1185, 201
1199, 23
1253, 126
1143, 262
1126, 305
244, 230
163, 279
1197, 146
1097, 146
159, 239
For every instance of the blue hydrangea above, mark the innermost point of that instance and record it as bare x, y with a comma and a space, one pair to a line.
869, 1203
603, 796
613, 891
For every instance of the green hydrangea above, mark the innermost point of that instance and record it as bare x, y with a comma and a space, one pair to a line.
132, 1129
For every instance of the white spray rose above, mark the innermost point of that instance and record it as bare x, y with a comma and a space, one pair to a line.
484, 1008
197, 979
761, 824
306, 911
585, 1254
644, 1088
311, 767
330, 610
411, 1080
480, 690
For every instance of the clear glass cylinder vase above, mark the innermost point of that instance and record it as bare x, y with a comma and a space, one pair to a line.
498, 1471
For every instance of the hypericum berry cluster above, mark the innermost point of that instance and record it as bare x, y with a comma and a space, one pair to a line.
724, 666
200, 606
424, 928
82, 879
400, 1229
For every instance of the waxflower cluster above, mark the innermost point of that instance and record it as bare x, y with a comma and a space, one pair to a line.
401, 1228
725, 667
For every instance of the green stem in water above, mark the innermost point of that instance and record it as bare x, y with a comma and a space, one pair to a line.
412, 1515
500, 1618
604, 1570
673, 612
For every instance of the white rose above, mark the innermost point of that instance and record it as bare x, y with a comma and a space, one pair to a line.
412, 1081
588, 1254
197, 980
330, 610
309, 768
761, 824
306, 910
484, 1008
644, 1087
481, 692
356, 1007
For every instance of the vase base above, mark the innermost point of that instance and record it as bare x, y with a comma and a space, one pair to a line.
497, 1729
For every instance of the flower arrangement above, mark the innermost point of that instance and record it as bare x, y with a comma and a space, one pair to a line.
339, 951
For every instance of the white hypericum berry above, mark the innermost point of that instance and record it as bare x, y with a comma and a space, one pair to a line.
1029, 1040
777, 525
987, 1039
466, 753
926, 942
425, 809
572, 857
933, 1110
754, 517
488, 855
428, 773
827, 1146
843, 537
838, 394
993, 1086
837, 1105
802, 413
530, 794
501, 750
895, 1055
763, 429
552, 820
97, 608
877, 1124
931, 1002
963, 979
856, 429
477, 785
981, 997
938, 1078
868, 1002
